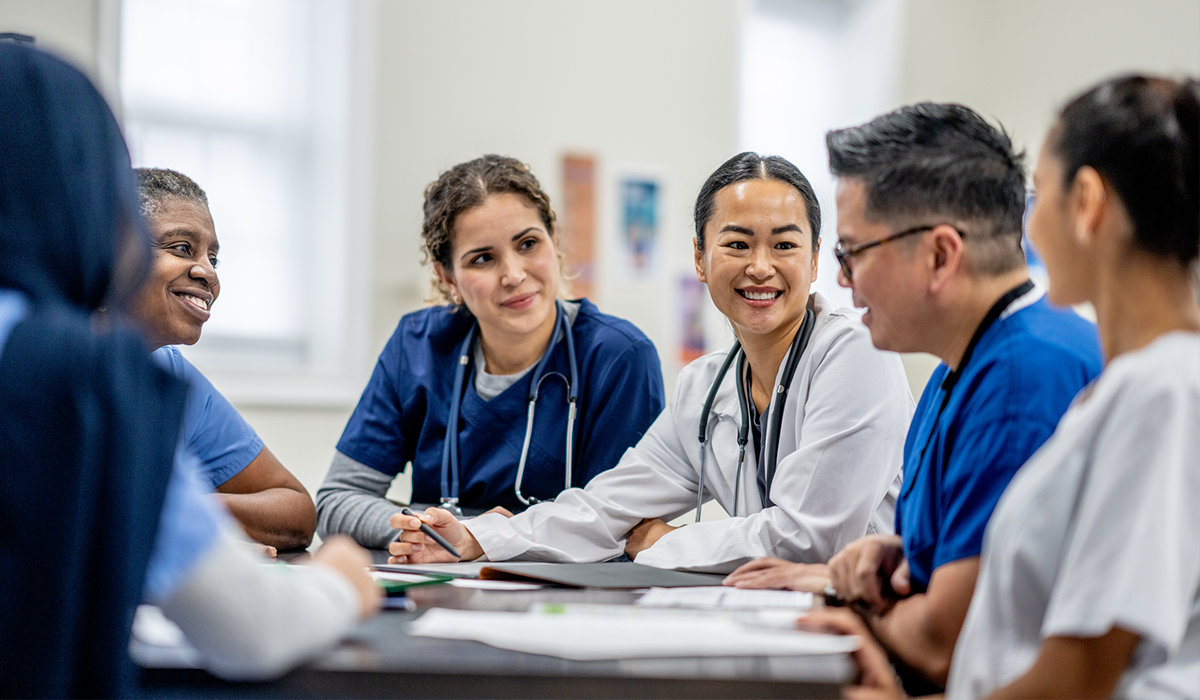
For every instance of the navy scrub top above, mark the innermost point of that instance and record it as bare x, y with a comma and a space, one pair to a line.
404, 409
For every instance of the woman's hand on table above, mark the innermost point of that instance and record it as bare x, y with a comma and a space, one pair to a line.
877, 678
415, 547
773, 573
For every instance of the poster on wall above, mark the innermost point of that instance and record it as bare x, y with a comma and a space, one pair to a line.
578, 226
692, 296
639, 226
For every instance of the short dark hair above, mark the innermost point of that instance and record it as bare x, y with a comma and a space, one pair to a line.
155, 185
940, 161
752, 166
1140, 134
466, 186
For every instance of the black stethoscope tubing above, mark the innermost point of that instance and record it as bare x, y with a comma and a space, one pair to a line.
450, 463
770, 444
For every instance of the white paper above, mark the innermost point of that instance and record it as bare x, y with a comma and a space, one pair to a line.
725, 598
594, 637
495, 585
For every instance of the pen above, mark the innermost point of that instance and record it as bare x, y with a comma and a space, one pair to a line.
433, 535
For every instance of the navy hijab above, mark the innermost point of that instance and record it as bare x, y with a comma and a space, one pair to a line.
88, 425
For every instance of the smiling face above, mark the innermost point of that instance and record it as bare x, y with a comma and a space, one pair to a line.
758, 260
177, 296
887, 278
505, 269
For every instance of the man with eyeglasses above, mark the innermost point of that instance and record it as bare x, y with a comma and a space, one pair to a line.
930, 201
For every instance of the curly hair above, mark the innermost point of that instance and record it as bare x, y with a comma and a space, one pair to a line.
464, 187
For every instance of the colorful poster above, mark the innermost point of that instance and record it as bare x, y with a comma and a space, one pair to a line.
577, 234
692, 296
639, 226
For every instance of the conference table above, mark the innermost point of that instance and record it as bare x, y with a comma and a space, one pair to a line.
381, 660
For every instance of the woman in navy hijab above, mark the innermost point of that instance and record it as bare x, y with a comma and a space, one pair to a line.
89, 429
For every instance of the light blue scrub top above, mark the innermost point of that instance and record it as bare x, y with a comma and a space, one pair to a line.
191, 518
213, 430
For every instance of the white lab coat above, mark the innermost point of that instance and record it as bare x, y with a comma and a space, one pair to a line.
840, 452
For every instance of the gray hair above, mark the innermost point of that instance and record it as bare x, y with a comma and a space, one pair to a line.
155, 185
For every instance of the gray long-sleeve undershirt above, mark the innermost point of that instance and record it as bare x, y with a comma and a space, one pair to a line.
351, 502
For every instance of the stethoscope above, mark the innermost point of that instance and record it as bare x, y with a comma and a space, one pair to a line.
770, 445
450, 447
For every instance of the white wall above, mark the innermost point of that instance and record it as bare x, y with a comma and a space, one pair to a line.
642, 84
650, 84
1019, 61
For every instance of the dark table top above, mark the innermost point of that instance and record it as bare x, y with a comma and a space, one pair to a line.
380, 659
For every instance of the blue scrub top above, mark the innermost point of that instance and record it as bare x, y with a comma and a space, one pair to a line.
213, 430
1021, 378
190, 519
404, 409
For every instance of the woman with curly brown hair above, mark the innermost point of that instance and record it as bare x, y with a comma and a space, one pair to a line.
539, 393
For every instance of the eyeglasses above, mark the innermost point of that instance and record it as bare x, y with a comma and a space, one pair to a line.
843, 254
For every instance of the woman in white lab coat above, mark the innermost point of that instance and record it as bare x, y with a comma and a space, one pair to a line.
805, 456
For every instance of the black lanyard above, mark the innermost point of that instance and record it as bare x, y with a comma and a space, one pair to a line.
953, 376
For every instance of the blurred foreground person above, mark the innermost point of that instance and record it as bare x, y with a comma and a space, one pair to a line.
98, 508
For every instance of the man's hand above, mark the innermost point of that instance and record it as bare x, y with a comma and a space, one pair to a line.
415, 547
644, 535
859, 570
769, 572
341, 554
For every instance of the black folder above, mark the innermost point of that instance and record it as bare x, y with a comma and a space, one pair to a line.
623, 574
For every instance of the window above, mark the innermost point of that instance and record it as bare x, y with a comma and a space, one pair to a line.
812, 66
260, 103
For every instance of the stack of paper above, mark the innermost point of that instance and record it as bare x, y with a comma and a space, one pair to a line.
584, 637
726, 598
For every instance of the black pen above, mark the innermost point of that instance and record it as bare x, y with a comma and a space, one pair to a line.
433, 535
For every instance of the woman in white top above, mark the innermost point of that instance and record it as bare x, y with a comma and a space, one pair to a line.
803, 454
1090, 581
